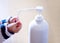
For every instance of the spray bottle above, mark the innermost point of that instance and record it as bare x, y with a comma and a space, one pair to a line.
38, 28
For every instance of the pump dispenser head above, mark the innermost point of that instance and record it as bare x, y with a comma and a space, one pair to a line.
39, 17
39, 9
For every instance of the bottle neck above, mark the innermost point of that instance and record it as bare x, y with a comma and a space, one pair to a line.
39, 18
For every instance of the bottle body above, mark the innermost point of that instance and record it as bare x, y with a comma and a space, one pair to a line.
38, 31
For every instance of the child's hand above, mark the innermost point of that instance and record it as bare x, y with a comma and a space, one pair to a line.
14, 25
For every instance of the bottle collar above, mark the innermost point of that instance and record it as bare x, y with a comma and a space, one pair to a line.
38, 18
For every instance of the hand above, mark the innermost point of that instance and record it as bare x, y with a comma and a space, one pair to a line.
14, 25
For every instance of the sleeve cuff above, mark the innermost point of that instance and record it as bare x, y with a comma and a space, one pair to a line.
3, 29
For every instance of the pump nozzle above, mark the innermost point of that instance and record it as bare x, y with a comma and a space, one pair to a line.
39, 9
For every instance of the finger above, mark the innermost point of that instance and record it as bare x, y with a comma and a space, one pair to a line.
14, 19
11, 25
19, 23
18, 28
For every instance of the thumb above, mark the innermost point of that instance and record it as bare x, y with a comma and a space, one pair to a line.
12, 24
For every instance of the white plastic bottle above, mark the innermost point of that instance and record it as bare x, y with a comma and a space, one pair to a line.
38, 30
